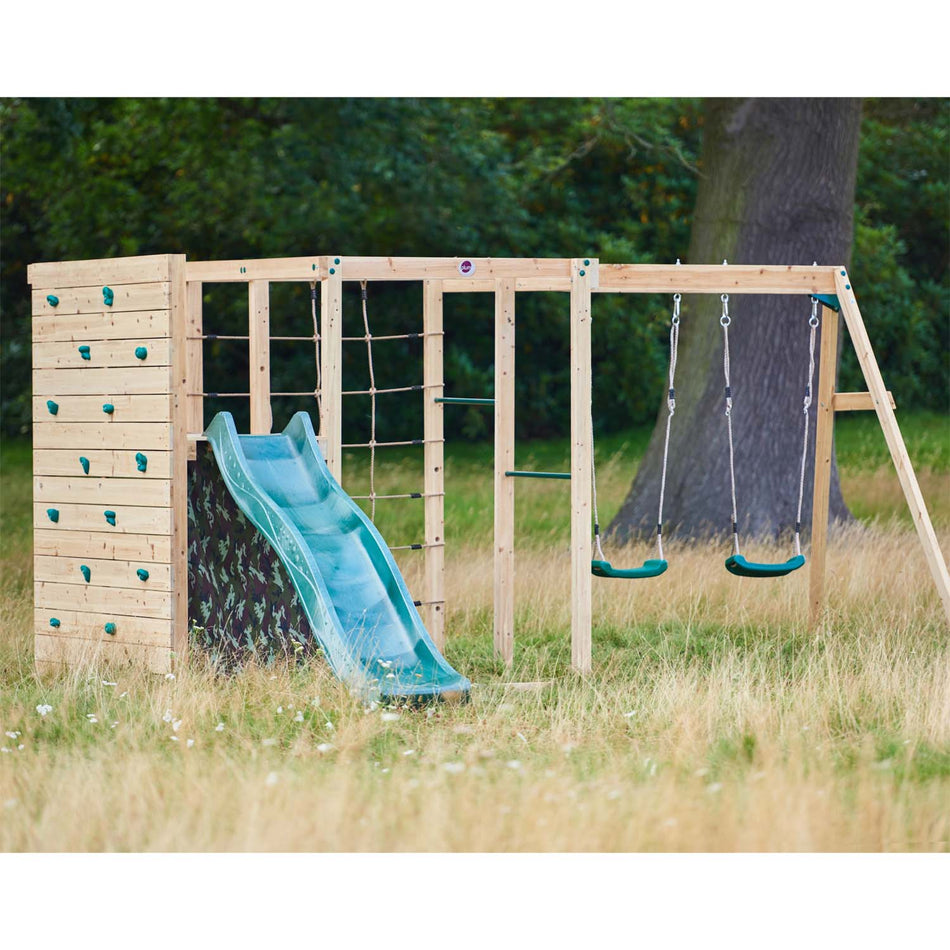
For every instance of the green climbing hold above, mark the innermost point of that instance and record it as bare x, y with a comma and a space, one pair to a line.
582, 272
110, 517
336, 260
108, 408
52, 514
142, 574
141, 352
52, 300
107, 296
141, 461
54, 621
110, 629
86, 573
84, 353
332, 270
52, 406
84, 462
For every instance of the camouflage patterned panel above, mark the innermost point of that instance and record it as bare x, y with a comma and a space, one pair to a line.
241, 602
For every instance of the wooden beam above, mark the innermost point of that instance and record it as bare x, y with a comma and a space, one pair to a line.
714, 279
824, 448
102, 353
504, 528
145, 380
433, 432
130, 519
87, 490
95, 273
851, 402
152, 296
581, 454
135, 436
276, 269
522, 285
139, 325
103, 463
151, 408
194, 362
106, 571
258, 301
893, 437
331, 358
53, 653
447, 268
178, 304
82, 544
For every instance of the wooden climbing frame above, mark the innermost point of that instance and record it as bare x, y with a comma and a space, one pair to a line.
87, 460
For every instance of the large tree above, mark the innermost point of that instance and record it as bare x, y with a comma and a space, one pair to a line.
777, 188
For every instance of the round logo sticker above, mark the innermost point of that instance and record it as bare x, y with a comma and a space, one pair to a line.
466, 267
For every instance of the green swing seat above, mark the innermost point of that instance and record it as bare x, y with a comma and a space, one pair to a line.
739, 566
653, 567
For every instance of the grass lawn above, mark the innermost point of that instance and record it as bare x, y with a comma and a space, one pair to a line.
714, 720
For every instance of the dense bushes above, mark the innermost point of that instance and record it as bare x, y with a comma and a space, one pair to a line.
616, 179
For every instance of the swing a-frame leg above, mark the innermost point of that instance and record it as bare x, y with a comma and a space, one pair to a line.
883, 404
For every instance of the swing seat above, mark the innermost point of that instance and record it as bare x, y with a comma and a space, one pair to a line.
653, 567
739, 566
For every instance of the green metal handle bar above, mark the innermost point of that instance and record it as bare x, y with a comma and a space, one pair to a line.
564, 475
458, 401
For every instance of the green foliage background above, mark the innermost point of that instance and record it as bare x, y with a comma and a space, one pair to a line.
223, 178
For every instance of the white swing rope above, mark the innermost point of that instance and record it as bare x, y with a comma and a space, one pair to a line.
671, 409
806, 405
724, 322
372, 406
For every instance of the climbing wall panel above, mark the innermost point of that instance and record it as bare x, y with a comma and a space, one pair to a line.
105, 452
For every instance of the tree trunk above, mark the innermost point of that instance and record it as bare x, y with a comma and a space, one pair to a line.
778, 188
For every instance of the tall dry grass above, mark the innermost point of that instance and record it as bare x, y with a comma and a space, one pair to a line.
714, 720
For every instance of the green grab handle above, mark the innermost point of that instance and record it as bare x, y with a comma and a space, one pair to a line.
110, 629
107, 296
52, 406
52, 514
108, 408
52, 300
142, 574
54, 621
86, 573
141, 461
110, 517
84, 353
84, 462
141, 352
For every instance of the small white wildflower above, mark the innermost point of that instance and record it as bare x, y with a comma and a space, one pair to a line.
521, 737
390, 676
324, 747
389, 717
90, 717
315, 701
169, 676
189, 743
107, 683
430, 712
409, 752
176, 725
699, 773
330, 726
385, 664
713, 788
219, 727
12, 735
280, 709
383, 771
299, 716
114, 724
513, 764
173, 738
44, 709
630, 715
20, 747
272, 677
272, 778
453, 768
4, 749
268, 742
123, 695
168, 716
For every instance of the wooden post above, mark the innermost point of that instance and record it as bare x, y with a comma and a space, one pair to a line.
178, 307
581, 454
432, 377
824, 446
331, 359
194, 360
258, 295
892, 435
504, 558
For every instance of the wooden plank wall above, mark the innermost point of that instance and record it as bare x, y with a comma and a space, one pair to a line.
109, 538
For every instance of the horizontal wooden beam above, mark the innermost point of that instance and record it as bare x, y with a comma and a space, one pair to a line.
522, 285
851, 402
448, 268
276, 269
715, 279
96, 273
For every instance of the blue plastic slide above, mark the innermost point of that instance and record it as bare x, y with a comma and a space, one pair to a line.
357, 603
